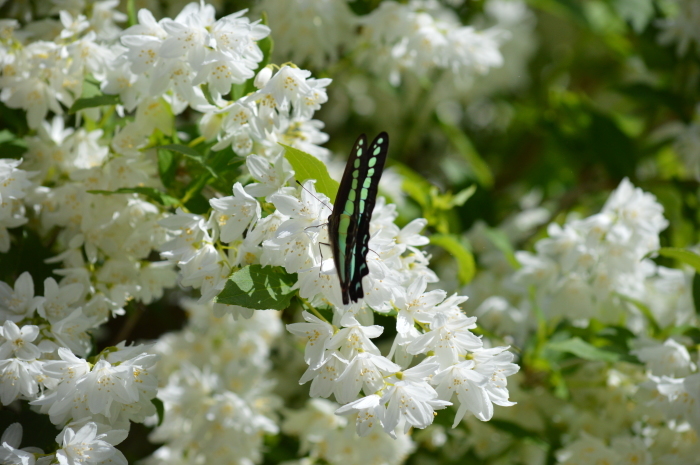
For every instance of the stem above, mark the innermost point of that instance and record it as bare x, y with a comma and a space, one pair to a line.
313, 310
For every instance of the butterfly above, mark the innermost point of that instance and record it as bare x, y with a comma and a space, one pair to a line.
348, 224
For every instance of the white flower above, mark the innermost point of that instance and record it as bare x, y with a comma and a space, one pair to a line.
16, 378
325, 377
272, 175
71, 332
318, 333
412, 403
13, 182
235, 214
414, 303
680, 397
18, 342
469, 386
57, 301
366, 371
10, 452
496, 363
369, 410
16, 304
86, 446
192, 231
118, 388
448, 339
69, 370
669, 358
354, 338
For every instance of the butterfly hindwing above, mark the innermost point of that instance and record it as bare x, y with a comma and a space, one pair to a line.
350, 220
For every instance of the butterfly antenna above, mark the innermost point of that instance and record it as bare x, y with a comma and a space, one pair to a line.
324, 203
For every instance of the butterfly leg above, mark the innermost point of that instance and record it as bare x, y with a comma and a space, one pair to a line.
316, 226
320, 251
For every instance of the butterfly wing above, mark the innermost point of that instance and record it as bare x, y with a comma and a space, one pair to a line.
343, 222
370, 171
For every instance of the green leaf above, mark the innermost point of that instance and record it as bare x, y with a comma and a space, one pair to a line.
646, 311
462, 196
464, 146
696, 292
150, 192
654, 97
92, 102
11, 146
207, 94
518, 431
167, 167
259, 287
612, 147
580, 348
266, 45
414, 185
160, 409
309, 167
682, 255
190, 153
464, 257
92, 97
500, 240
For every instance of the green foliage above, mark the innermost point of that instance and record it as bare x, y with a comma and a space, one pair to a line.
11, 146
309, 167
259, 287
480, 169
682, 255
191, 154
501, 242
160, 409
92, 97
150, 192
584, 350
436, 207
460, 252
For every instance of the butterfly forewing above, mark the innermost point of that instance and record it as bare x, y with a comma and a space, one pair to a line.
354, 203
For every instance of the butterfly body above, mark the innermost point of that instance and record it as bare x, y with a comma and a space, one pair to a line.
348, 224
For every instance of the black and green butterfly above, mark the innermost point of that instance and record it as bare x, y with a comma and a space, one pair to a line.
348, 225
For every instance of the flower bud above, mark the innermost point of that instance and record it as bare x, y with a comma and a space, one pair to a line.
263, 77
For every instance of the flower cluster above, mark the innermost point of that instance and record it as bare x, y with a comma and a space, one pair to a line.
279, 111
49, 73
79, 444
342, 359
423, 36
90, 186
312, 32
594, 269
326, 436
580, 270
217, 394
396, 38
173, 57
14, 184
